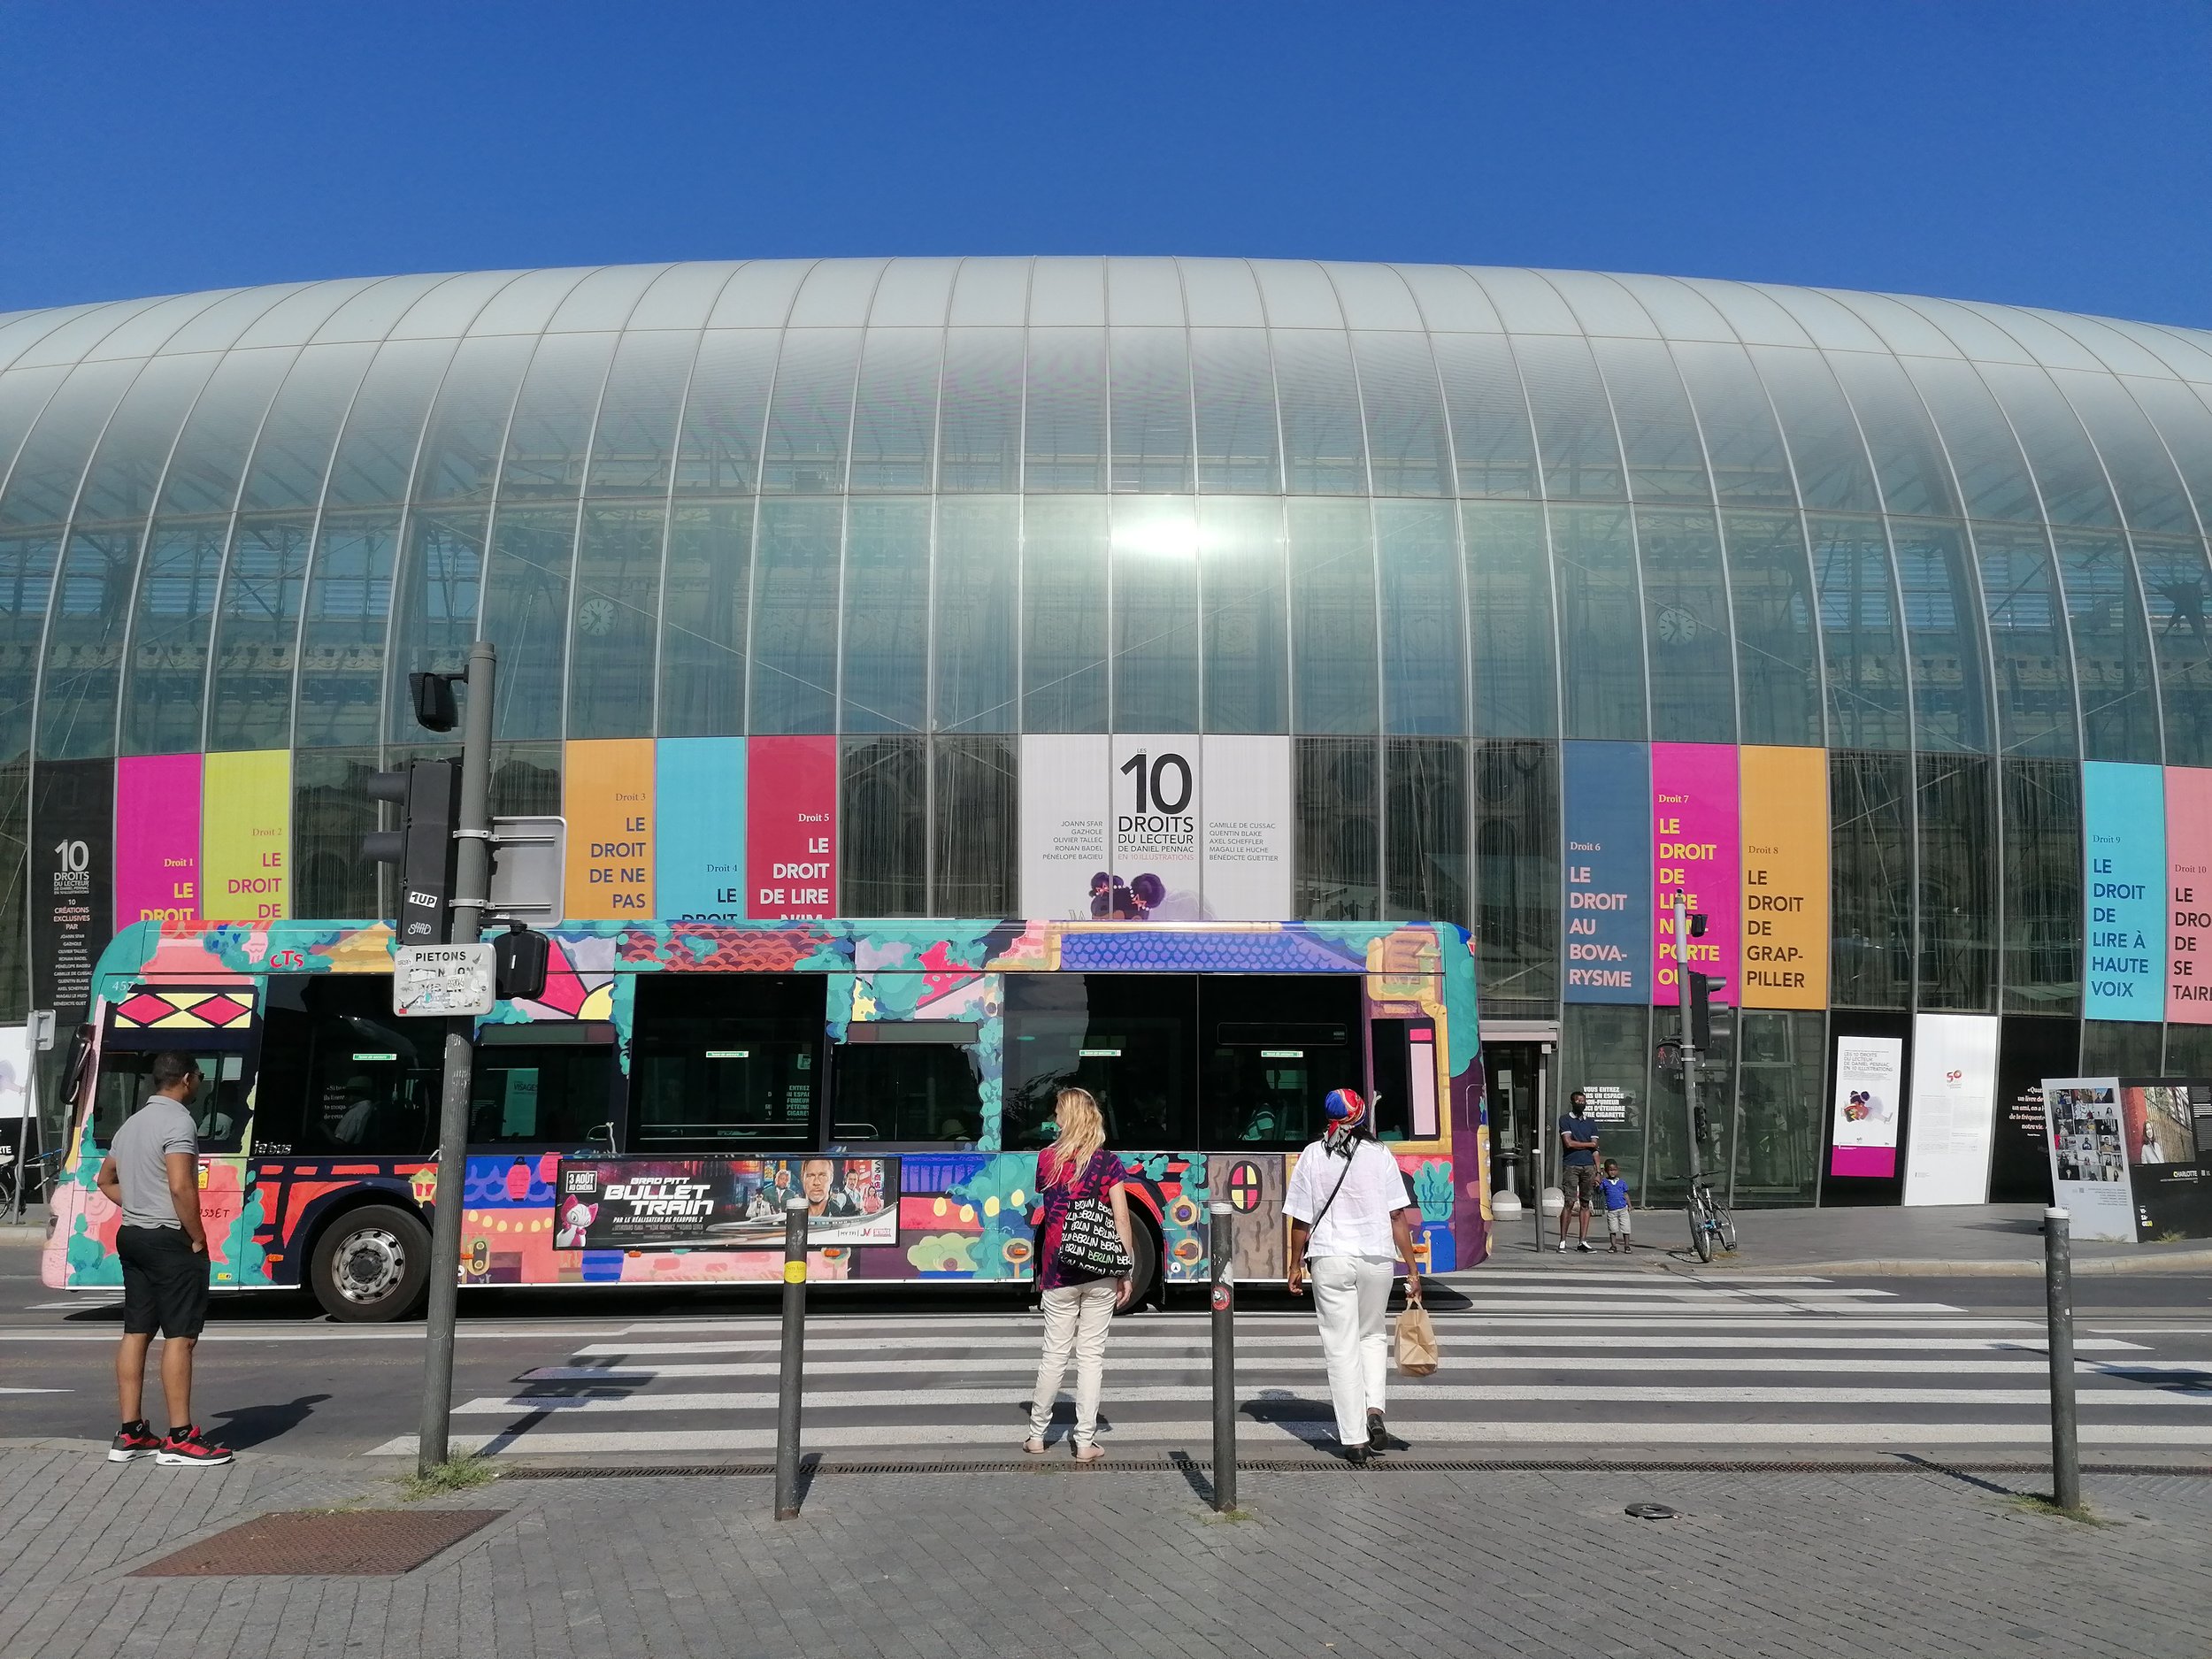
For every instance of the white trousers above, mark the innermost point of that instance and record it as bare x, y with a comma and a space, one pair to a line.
1350, 1296
1076, 1318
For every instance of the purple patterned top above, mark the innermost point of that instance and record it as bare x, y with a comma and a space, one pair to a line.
1097, 1180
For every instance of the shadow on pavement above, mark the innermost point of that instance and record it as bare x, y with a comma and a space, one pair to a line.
247, 1426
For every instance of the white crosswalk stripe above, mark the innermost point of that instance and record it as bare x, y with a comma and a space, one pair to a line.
1594, 1360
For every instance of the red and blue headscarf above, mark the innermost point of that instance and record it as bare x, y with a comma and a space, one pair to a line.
1346, 1111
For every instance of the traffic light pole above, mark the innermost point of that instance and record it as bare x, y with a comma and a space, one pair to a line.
470, 892
1682, 1001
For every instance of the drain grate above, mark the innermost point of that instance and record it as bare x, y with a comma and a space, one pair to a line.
1392, 1466
311, 1543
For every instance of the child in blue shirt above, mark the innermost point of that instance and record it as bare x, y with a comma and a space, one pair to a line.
1615, 1192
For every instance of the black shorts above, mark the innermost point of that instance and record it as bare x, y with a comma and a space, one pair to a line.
164, 1281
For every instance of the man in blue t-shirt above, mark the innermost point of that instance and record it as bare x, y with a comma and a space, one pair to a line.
1577, 1168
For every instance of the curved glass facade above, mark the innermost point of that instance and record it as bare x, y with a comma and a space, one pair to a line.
1438, 527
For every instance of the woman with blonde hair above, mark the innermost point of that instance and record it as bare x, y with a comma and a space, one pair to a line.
1086, 1252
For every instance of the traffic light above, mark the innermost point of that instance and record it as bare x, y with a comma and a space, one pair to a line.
434, 707
1698, 988
428, 795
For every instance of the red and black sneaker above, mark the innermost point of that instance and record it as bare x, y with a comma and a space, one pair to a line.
132, 1442
189, 1446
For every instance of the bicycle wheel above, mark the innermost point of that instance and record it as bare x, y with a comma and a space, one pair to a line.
1700, 1227
1726, 1223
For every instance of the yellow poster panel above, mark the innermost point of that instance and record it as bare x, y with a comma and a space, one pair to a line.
608, 793
1784, 805
246, 836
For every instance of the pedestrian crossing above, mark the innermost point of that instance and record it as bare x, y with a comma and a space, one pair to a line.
1604, 1361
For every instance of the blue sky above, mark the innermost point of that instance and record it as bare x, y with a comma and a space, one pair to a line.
2048, 153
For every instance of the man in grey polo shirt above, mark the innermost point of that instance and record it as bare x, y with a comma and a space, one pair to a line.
152, 1175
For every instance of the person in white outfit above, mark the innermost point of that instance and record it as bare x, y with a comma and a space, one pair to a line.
1351, 1217
1079, 1304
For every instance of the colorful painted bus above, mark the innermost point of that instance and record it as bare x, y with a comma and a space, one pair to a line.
644, 1120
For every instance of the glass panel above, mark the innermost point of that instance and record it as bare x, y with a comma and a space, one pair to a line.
1339, 861
795, 617
2043, 876
1826, 452
1234, 379
2151, 493
1666, 461
220, 1106
1958, 882
122, 480
2112, 651
1408, 451
1509, 606
526, 780
1604, 1048
1750, 466
1777, 659
15, 925
339, 1074
43, 479
710, 1071
540, 1093
1128, 1038
887, 619
1151, 408
909, 1092
26, 579
634, 446
168, 664
331, 812
526, 614
1155, 614
249, 704
440, 569
2067, 471
1517, 877
341, 648
1908, 459
1666, 1145
2174, 585
1781, 1107
702, 621
2119, 1048
975, 813
2035, 691
1984, 453
718, 452
1685, 598
978, 553
1943, 621
810, 416
461, 451
1423, 651
1063, 616
84, 639
894, 413
1858, 626
1332, 617
1601, 622
1323, 447
293, 451
617, 603
1066, 434
1491, 436
1575, 440
1241, 552
551, 429
883, 827
375, 455
1425, 817
979, 431
1274, 1045
202, 475
1871, 890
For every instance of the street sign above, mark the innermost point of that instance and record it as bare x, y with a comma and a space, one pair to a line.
529, 868
433, 980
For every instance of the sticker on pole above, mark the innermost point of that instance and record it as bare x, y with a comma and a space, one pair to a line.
430, 981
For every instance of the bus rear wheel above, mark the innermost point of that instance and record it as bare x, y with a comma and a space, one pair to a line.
371, 1265
1147, 1272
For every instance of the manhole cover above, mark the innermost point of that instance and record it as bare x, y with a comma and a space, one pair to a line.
1652, 1511
299, 1543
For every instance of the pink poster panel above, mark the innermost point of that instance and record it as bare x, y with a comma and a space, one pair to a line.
157, 838
1697, 850
791, 826
2189, 896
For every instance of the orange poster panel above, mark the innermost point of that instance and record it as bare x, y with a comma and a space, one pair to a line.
1785, 806
608, 795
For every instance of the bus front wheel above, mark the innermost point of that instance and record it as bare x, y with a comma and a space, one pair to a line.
371, 1265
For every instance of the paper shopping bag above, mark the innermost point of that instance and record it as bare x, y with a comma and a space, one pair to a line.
1417, 1343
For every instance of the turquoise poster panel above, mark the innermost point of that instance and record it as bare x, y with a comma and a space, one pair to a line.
1606, 804
2123, 846
699, 797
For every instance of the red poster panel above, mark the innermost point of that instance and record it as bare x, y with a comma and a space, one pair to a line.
791, 826
2189, 896
156, 837
1697, 849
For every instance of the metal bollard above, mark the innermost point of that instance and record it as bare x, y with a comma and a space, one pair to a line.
1225, 1338
791, 1378
2058, 1295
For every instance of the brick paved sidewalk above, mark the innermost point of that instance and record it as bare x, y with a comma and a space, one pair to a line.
1099, 1563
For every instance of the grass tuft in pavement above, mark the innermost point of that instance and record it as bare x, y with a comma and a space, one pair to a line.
458, 1474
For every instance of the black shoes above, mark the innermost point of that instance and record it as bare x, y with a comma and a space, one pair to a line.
1359, 1456
132, 1442
1378, 1436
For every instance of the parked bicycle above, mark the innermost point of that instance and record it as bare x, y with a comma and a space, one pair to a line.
35, 1168
1711, 1226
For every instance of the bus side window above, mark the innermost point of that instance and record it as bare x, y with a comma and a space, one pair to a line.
219, 1111
342, 1074
1389, 1047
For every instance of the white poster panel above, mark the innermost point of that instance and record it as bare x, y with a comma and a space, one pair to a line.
1953, 1108
1157, 864
2089, 1162
1869, 1096
15, 1070
1064, 807
1245, 793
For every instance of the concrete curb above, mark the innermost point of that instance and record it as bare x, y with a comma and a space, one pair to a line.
32, 1233
2176, 1261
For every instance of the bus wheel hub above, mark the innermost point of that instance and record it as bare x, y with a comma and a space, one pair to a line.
370, 1266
